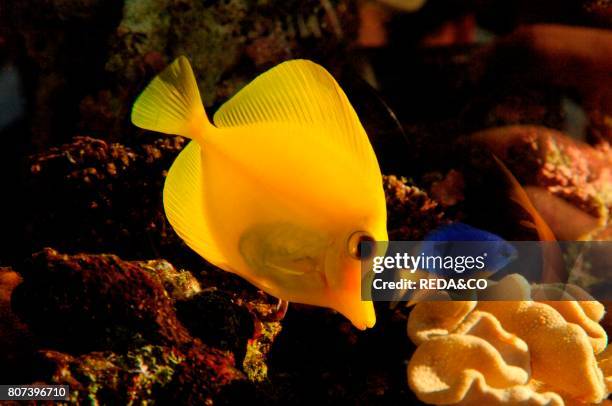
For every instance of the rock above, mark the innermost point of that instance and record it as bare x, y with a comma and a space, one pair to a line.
115, 195
348, 366
411, 213
87, 65
85, 303
214, 317
600, 129
600, 11
199, 377
228, 44
59, 47
109, 330
237, 320
569, 169
179, 284
15, 338
449, 189
565, 56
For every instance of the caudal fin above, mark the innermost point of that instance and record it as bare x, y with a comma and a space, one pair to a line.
171, 104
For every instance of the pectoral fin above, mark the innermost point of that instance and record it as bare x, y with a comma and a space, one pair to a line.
285, 253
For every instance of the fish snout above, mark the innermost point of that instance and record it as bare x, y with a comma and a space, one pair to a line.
359, 312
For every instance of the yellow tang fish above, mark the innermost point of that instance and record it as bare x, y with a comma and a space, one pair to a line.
281, 188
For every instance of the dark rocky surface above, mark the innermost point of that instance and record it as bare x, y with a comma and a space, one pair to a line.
86, 302
119, 330
79, 192
106, 298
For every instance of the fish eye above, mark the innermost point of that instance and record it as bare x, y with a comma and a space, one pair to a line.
358, 250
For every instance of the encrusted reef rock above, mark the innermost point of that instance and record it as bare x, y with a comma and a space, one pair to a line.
15, 338
411, 213
109, 329
179, 284
227, 43
531, 352
146, 374
84, 303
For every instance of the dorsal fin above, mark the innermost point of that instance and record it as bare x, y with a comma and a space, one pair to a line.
183, 204
300, 92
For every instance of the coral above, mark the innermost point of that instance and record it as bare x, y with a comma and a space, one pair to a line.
561, 352
429, 318
604, 360
465, 369
508, 352
566, 56
585, 314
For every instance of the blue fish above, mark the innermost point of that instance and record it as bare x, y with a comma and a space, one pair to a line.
461, 240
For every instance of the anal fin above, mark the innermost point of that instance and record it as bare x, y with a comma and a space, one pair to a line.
184, 204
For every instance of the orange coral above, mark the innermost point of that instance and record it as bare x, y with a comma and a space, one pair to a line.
526, 352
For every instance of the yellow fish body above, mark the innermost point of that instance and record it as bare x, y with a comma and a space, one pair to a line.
281, 190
